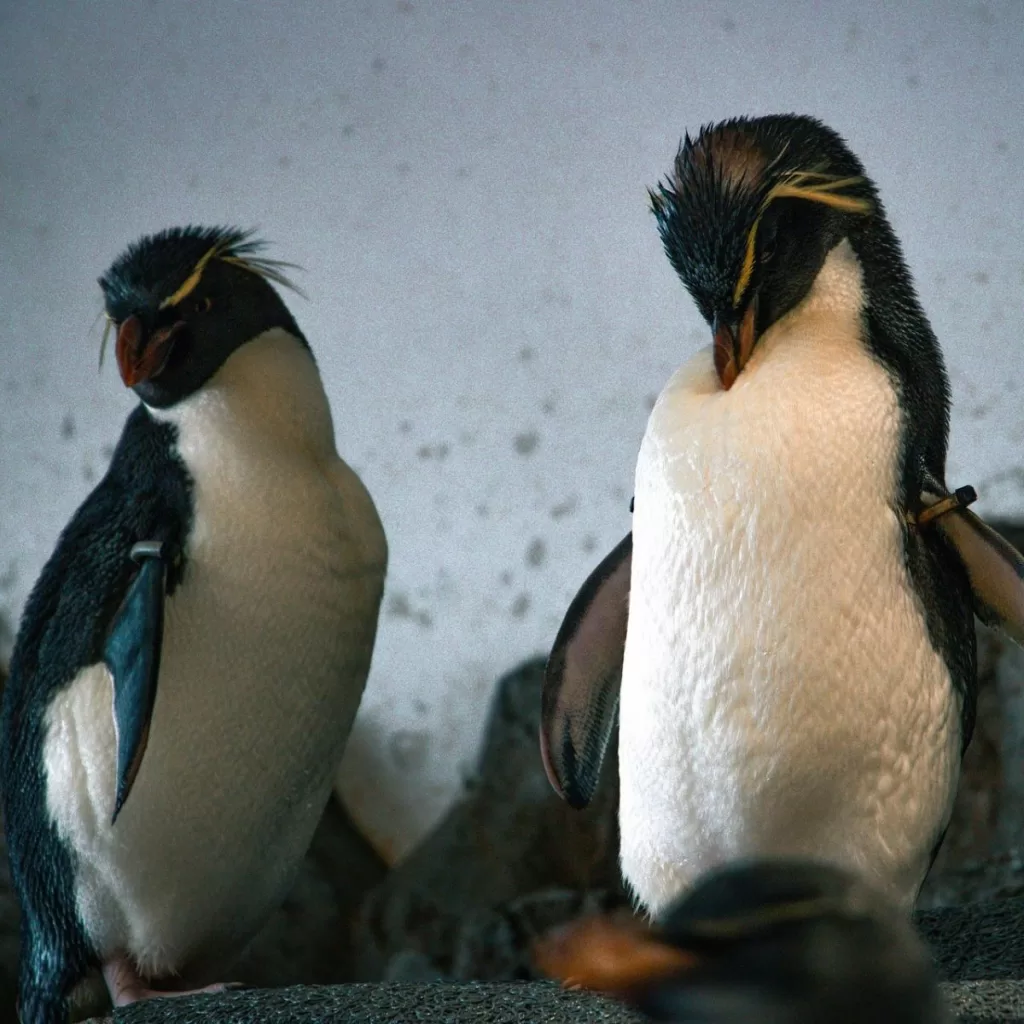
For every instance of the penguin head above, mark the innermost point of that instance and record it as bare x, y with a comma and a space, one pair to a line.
182, 301
782, 941
747, 216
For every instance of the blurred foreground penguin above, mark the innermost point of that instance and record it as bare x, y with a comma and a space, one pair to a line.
190, 661
786, 942
787, 633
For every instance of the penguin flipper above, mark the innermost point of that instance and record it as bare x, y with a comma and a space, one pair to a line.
993, 565
132, 653
580, 698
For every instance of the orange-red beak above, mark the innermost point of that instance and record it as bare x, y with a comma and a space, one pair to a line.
608, 956
138, 358
734, 345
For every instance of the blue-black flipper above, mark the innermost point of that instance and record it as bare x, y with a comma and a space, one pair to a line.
132, 653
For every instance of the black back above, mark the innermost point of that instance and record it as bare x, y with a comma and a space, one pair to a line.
901, 338
146, 490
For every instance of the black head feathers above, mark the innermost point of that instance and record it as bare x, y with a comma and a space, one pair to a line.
161, 269
725, 180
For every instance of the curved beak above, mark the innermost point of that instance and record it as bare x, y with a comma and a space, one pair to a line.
140, 358
734, 343
612, 955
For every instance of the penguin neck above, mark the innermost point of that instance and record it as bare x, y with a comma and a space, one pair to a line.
898, 334
268, 391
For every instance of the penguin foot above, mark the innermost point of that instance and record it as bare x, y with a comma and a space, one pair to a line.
126, 987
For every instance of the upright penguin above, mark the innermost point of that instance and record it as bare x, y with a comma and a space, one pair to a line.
190, 661
787, 632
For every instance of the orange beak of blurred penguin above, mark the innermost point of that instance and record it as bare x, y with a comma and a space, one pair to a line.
608, 955
734, 344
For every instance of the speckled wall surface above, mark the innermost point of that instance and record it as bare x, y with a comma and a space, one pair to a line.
464, 184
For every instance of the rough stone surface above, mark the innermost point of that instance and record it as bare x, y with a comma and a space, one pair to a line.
979, 951
509, 861
510, 1003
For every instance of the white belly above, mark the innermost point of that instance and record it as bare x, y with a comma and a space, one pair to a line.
267, 644
780, 695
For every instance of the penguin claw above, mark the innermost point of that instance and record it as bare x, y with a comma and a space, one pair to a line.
126, 987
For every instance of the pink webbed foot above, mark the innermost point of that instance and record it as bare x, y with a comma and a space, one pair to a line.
126, 987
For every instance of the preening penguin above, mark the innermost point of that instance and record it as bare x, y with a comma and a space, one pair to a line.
190, 661
793, 942
787, 633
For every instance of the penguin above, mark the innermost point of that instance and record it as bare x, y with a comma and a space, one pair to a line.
190, 660
786, 636
788, 941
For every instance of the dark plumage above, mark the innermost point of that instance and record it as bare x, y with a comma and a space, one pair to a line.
195, 294
154, 267
146, 490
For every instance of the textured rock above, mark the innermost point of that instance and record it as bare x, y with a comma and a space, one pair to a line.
536, 1003
979, 949
9, 918
308, 940
509, 860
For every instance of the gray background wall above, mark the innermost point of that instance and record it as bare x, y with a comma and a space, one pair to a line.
464, 184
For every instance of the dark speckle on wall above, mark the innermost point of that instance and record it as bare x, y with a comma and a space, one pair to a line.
520, 606
564, 508
408, 749
67, 427
526, 442
400, 607
536, 552
588, 543
9, 576
526, 353
434, 451
506, 578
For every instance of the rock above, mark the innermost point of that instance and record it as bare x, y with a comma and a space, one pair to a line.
510, 858
537, 1003
979, 950
309, 939
10, 916
978, 941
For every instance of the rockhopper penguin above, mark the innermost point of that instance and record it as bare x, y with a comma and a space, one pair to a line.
786, 941
190, 661
786, 636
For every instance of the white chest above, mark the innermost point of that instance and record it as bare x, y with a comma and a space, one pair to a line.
267, 644
780, 694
